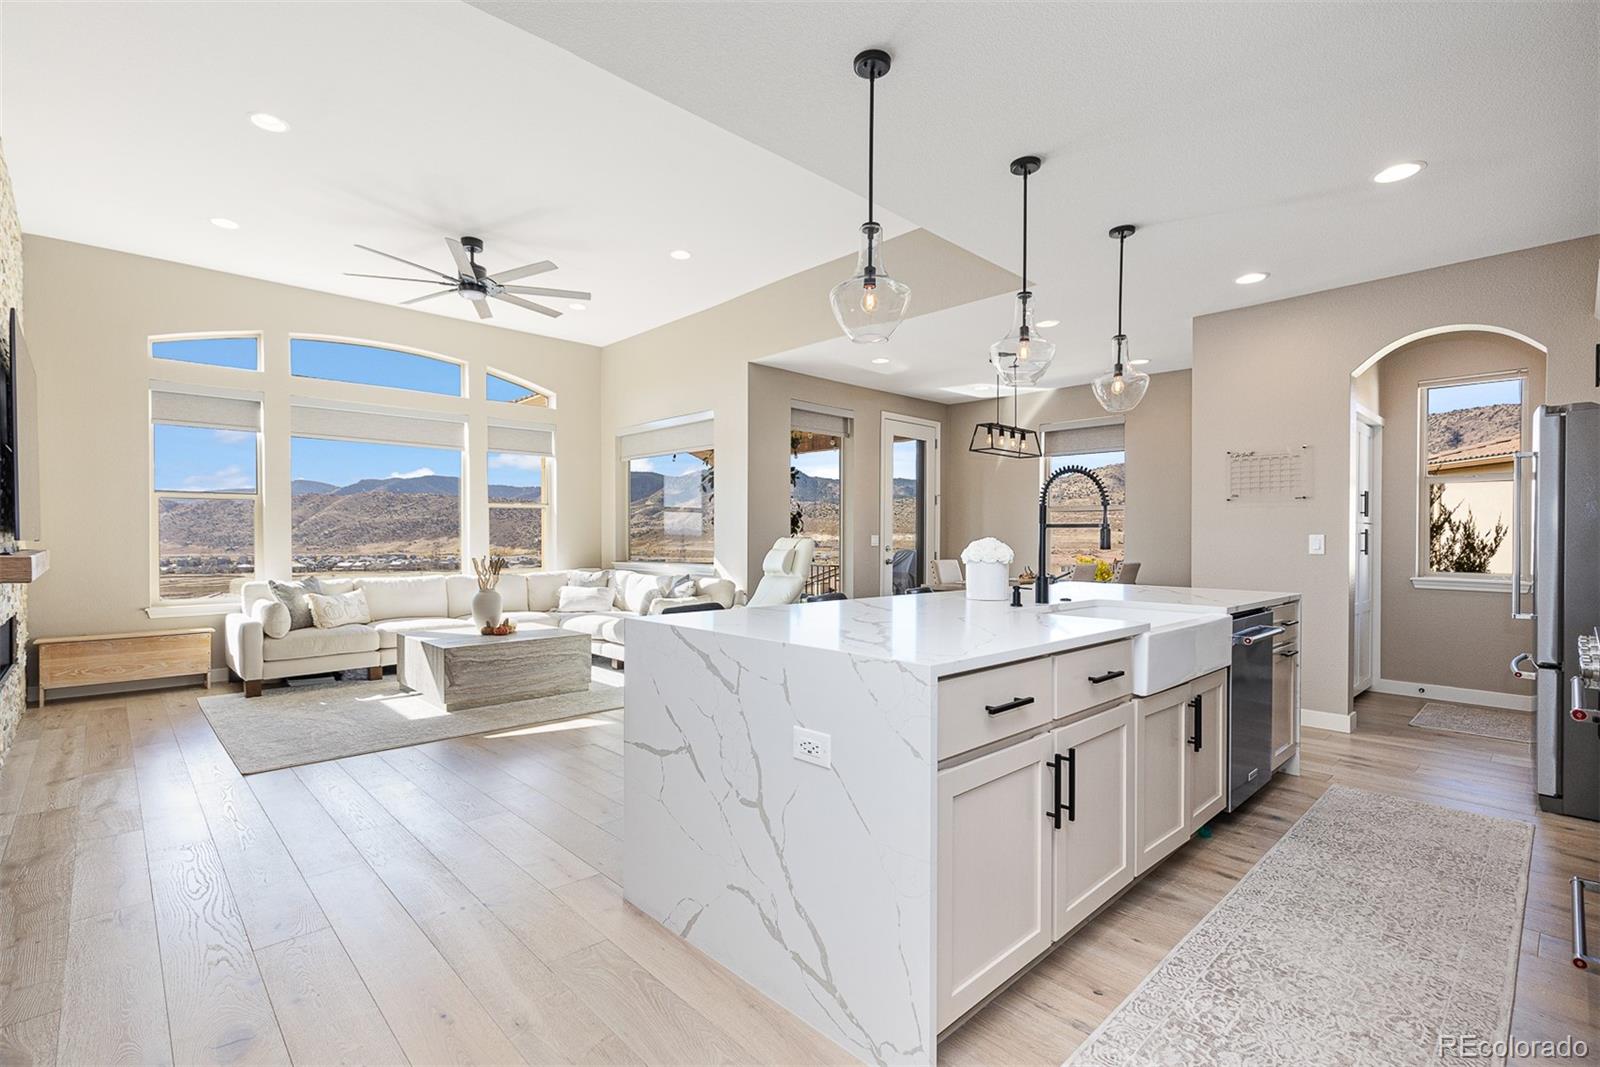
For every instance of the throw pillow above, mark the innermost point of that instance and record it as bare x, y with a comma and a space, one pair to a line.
293, 595
340, 610
585, 598
273, 617
682, 585
590, 579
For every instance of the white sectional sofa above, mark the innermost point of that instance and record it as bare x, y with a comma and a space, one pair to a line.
424, 602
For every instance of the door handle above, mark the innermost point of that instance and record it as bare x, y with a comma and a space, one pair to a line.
1070, 761
1580, 948
1198, 739
1529, 673
1011, 705
1517, 460
1365, 545
1366, 503
1096, 679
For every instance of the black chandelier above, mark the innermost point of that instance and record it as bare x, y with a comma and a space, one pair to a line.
1005, 439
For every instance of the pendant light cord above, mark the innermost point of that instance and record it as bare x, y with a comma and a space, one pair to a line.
1122, 244
872, 125
1024, 231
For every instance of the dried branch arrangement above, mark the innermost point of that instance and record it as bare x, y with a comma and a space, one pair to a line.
488, 569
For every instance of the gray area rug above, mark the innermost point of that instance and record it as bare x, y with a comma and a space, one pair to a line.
1484, 722
288, 727
1375, 926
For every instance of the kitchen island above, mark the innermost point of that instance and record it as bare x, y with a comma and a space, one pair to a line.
877, 811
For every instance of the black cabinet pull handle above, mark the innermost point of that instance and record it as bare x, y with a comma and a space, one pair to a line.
1070, 807
1011, 705
1096, 679
1198, 740
1366, 503
1364, 536
1054, 814
1072, 784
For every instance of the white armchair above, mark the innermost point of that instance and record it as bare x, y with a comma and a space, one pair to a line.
784, 572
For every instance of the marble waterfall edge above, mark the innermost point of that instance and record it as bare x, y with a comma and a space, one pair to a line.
814, 885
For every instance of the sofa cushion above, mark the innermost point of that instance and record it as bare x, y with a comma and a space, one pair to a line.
272, 615
635, 590
309, 642
591, 579
600, 625
403, 598
328, 612
292, 595
461, 588
532, 618
544, 590
585, 598
389, 630
722, 590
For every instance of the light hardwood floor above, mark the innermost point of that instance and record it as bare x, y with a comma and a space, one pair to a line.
459, 902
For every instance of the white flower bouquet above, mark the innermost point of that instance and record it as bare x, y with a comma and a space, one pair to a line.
988, 561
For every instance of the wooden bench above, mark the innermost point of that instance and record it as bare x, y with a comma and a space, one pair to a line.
98, 659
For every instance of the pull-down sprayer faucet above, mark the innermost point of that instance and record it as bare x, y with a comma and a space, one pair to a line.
1043, 580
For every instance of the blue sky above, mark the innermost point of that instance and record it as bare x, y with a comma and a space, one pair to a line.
193, 460
1477, 394
343, 462
905, 458
818, 464
677, 463
238, 352
364, 365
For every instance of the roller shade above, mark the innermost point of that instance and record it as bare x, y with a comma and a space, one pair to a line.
694, 436
195, 409
1076, 440
347, 424
533, 440
820, 422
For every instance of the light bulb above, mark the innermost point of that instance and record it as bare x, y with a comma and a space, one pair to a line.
1118, 384
1022, 348
869, 299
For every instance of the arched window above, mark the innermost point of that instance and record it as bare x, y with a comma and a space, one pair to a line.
363, 364
506, 390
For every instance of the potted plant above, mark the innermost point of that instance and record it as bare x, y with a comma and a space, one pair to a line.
486, 603
988, 563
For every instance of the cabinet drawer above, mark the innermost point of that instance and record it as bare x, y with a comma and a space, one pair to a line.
1093, 676
985, 706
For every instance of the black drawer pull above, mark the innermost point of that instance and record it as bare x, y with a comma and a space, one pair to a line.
1096, 679
1198, 740
1071, 806
1011, 705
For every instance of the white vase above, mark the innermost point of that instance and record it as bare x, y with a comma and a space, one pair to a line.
988, 581
486, 606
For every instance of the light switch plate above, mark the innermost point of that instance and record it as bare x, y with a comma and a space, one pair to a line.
1317, 545
813, 746
874, 540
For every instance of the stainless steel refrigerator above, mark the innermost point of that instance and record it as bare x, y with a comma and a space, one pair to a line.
1562, 474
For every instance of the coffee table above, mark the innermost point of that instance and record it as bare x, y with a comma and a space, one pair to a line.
457, 669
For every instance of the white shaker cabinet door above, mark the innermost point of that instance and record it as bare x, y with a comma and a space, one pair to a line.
1208, 748
994, 871
1094, 844
1162, 791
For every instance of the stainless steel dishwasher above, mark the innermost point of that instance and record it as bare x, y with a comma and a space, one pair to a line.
1250, 705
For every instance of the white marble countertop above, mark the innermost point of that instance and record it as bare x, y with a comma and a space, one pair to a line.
947, 634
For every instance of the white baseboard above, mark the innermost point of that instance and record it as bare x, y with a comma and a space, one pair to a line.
1484, 697
1338, 721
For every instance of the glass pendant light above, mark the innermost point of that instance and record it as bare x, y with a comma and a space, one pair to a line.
1022, 356
870, 304
1123, 388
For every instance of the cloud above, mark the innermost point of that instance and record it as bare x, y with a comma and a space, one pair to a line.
230, 477
420, 472
233, 437
517, 461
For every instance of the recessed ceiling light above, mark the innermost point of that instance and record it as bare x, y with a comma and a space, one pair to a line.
225, 224
270, 123
1137, 362
579, 307
679, 253
1251, 278
1398, 172
881, 360
1045, 324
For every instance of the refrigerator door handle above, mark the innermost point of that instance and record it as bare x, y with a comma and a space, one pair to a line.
1517, 516
1525, 673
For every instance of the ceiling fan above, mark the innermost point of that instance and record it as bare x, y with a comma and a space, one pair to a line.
475, 283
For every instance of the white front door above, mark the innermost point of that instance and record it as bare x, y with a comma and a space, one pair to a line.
909, 494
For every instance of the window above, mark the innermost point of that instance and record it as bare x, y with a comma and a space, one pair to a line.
506, 391
241, 353
363, 507
671, 509
205, 494
816, 493
519, 511
1470, 431
345, 361
1098, 448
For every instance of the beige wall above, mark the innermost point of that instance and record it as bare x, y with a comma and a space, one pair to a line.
988, 496
1278, 375
90, 312
772, 394
1474, 649
699, 363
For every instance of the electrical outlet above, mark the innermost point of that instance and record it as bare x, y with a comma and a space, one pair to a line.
810, 746
1317, 545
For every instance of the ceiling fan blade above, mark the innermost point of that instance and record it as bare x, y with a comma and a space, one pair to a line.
426, 296
529, 304
522, 272
459, 254
482, 308
407, 262
397, 278
534, 290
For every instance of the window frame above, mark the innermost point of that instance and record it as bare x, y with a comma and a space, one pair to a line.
625, 557
844, 439
1423, 576
157, 600
463, 393
548, 394
544, 506
208, 335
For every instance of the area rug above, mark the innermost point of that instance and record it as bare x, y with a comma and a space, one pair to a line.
1375, 928
286, 727
1484, 722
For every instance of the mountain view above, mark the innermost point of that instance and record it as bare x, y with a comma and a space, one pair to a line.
1450, 431
1076, 500
671, 517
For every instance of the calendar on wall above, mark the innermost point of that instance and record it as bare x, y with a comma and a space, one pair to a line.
1270, 476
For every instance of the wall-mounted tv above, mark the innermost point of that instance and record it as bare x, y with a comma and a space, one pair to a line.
19, 492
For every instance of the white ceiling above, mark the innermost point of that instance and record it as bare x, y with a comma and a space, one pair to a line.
125, 126
1238, 137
